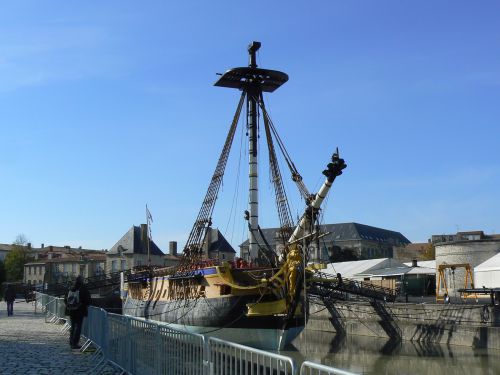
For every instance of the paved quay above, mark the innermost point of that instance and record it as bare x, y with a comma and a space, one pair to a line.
28, 345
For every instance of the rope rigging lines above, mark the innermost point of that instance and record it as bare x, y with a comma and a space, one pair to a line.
193, 248
284, 212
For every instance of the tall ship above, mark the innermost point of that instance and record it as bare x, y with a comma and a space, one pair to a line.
260, 300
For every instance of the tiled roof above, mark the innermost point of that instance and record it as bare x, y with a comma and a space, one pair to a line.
423, 264
131, 243
351, 268
172, 257
347, 232
5, 247
220, 244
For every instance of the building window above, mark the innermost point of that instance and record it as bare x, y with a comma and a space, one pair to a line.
99, 268
114, 266
124, 264
29, 270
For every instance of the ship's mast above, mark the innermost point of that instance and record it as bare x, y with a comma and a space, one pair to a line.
253, 92
253, 81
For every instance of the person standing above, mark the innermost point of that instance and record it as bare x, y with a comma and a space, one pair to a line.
77, 302
10, 296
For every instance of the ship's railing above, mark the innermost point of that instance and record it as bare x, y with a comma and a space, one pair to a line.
139, 346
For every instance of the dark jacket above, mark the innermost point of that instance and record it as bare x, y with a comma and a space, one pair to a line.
84, 300
10, 294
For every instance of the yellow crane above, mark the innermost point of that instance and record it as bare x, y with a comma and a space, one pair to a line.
441, 282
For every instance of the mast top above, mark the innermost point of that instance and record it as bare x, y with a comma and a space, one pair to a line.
252, 48
244, 77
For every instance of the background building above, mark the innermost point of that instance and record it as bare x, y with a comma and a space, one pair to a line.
172, 259
216, 246
412, 278
363, 241
54, 264
4, 250
132, 251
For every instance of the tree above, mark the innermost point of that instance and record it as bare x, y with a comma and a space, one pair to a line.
15, 259
2, 276
338, 254
2, 272
429, 252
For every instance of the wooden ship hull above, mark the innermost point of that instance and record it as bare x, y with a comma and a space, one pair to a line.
214, 301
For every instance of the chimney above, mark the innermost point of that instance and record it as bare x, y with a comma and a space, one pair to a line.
209, 237
172, 248
144, 236
414, 263
43, 245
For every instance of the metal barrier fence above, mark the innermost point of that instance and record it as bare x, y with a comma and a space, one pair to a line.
95, 327
227, 358
140, 346
311, 368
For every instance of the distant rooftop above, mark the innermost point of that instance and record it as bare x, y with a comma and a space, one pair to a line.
347, 232
132, 243
475, 235
219, 242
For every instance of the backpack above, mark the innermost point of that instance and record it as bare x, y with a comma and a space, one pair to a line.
73, 300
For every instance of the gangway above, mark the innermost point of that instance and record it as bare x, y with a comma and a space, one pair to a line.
325, 290
324, 285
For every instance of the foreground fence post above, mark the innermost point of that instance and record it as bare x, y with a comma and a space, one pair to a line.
207, 366
105, 332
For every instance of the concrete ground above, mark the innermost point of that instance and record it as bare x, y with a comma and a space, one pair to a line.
28, 345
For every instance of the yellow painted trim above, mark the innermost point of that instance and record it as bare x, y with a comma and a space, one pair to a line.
241, 287
267, 308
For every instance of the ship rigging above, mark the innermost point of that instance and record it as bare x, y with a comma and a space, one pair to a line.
261, 303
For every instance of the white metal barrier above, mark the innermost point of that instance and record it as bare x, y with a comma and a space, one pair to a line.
227, 358
139, 346
311, 368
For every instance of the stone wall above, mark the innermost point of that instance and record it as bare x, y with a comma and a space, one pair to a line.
460, 324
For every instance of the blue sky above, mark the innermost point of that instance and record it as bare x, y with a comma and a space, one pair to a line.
107, 106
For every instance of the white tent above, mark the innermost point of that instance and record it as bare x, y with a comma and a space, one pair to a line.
487, 274
353, 268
